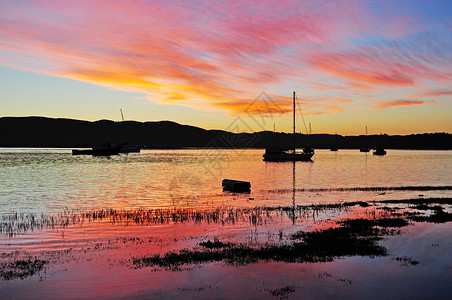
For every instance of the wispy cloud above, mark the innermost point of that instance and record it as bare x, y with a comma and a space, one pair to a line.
218, 53
395, 103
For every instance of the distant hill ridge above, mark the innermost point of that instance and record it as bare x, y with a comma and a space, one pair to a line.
51, 132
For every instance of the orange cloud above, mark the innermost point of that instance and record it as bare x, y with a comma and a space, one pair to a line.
396, 103
218, 54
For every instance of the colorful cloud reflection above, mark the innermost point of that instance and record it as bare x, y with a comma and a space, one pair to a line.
220, 55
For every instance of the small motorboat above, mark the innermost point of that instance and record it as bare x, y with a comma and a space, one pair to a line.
236, 186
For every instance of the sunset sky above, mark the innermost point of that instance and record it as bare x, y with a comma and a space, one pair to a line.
384, 64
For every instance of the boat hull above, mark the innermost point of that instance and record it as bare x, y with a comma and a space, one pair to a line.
82, 152
236, 186
381, 152
125, 149
281, 157
96, 152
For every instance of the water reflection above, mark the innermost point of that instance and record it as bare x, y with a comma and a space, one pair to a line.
48, 180
211, 254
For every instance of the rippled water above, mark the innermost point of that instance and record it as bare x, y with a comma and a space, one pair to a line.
49, 180
97, 253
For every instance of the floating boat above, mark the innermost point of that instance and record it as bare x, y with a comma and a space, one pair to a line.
280, 155
126, 148
99, 150
276, 155
82, 152
364, 149
379, 151
237, 186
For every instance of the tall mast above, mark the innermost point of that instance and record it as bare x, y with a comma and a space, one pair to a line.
293, 121
310, 134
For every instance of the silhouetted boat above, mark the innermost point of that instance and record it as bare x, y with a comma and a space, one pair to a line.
280, 155
379, 151
334, 148
308, 150
237, 186
126, 148
99, 150
109, 149
364, 149
277, 155
82, 152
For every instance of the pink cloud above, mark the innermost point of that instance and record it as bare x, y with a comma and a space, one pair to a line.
219, 53
395, 103
437, 93
368, 67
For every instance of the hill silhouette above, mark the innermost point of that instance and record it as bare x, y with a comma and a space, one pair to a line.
50, 132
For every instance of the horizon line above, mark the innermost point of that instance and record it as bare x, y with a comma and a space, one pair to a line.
243, 132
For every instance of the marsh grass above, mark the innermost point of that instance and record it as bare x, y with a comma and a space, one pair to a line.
417, 201
438, 216
406, 261
12, 224
282, 293
16, 223
350, 237
315, 246
384, 222
214, 245
365, 189
21, 269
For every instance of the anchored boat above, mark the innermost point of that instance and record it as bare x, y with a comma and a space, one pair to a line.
280, 155
379, 151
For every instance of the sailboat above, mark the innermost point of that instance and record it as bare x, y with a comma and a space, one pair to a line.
279, 155
364, 149
379, 151
125, 148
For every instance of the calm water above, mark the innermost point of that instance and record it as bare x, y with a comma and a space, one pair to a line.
97, 254
49, 180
